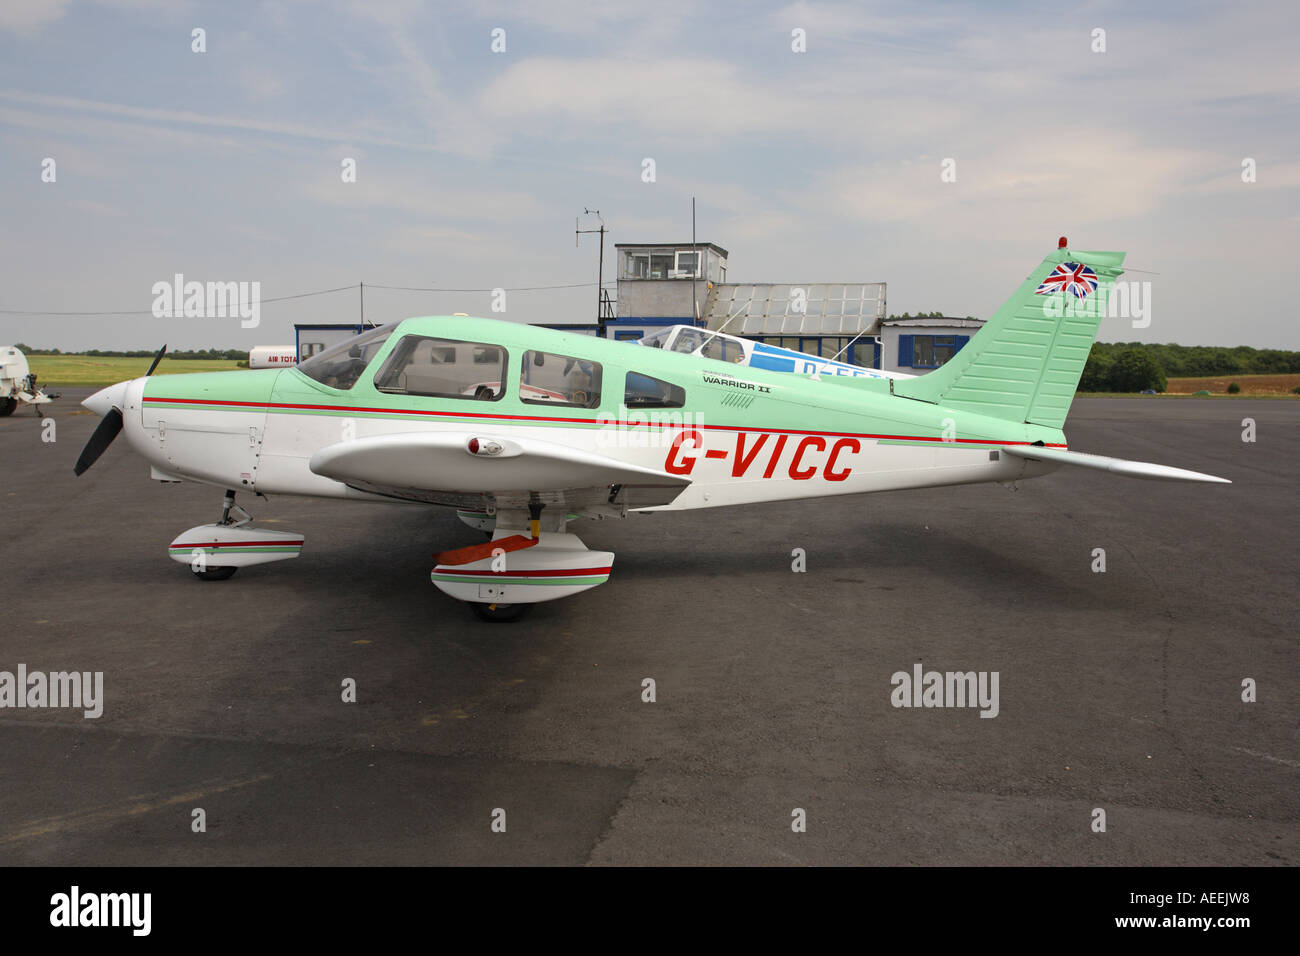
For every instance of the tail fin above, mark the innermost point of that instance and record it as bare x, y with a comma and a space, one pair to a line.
1024, 364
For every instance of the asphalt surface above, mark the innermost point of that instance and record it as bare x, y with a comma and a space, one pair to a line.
1118, 690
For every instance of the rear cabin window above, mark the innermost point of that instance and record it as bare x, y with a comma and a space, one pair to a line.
644, 391
550, 379
444, 368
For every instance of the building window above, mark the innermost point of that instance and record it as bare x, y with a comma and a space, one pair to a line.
628, 335
637, 266
928, 351
687, 264
444, 368
548, 379
943, 349
923, 351
643, 391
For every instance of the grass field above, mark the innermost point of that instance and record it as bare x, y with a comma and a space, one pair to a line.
1250, 384
92, 370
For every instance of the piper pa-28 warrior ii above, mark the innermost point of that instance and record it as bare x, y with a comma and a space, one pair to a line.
524, 429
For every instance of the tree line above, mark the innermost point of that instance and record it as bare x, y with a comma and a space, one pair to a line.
1135, 366
198, 354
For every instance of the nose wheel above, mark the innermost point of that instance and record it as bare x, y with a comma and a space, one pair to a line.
214, 574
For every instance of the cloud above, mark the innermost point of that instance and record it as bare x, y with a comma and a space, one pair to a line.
411, 196
26, 17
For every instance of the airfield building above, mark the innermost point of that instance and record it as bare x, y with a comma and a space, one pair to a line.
922, 343
662, 284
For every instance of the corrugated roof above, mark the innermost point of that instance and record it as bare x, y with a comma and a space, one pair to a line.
795, 308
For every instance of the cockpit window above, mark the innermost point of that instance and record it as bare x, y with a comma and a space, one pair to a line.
341, 365
444, 368
688, 340
644, 391
658, 340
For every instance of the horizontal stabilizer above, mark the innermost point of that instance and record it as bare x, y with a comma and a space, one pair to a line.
1117, 466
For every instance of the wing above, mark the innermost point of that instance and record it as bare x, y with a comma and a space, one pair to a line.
1117, 466
467, 469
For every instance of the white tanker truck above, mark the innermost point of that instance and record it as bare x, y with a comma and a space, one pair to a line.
17, 383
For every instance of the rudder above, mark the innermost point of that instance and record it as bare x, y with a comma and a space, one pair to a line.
1025, 363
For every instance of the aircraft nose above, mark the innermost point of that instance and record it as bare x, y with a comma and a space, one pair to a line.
106, 398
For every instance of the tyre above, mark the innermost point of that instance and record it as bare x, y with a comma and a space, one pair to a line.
215, 574
7, 406
500, 613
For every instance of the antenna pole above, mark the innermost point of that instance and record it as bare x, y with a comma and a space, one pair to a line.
600, 263
695, 270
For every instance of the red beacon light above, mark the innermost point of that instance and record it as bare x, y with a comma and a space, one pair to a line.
1062, 242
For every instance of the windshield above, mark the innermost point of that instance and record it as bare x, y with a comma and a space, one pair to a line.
341, 365
688, 340
657, 340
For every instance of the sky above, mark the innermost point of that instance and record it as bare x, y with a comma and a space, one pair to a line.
820, 165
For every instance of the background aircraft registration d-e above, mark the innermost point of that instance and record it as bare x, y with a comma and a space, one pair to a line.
525, 429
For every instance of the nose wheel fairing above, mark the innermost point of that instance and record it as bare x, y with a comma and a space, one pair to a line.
218, 546
215, 551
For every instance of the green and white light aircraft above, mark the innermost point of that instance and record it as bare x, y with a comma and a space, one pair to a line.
524, 430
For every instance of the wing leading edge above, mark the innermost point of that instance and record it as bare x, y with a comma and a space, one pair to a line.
464, 468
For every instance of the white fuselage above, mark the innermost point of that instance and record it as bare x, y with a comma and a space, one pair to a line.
267, 449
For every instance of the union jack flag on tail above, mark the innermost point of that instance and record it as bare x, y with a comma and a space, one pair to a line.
1072, 277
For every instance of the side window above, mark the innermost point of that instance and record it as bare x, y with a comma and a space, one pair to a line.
550, 379
444, 368
642, 391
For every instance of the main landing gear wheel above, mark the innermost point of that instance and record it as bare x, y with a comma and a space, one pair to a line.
500, 613
215, 574
7, 406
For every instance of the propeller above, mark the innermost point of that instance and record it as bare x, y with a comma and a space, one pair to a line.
108, 428
103, 436
156, 359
